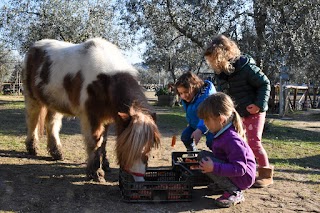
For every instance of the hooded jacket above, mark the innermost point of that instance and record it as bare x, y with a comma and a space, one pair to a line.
246, 85
238, 159
192, 107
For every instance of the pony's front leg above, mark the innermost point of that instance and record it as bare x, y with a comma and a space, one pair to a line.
53, 125
95, 149
105, 162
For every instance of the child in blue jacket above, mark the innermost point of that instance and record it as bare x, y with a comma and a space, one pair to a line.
192, 91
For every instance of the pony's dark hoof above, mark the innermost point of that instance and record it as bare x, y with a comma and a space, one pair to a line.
32, 150
32, 147
106, 166
97, 176
56, 155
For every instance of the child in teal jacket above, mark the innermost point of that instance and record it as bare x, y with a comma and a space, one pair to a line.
238, 76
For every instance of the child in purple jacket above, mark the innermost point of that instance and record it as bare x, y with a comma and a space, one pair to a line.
231, 164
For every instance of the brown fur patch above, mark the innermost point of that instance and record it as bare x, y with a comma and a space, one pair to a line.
97, 103
35, 59
73, 85
121, 93
44, 76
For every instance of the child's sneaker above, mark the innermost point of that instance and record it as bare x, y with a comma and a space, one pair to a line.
229, 199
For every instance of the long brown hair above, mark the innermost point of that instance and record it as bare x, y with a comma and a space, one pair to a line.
221, 53
190, 81
221, 104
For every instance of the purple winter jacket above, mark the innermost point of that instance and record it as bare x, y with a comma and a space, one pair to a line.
239, 161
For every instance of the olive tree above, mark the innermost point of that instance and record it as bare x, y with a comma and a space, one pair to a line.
26, 21
280, 34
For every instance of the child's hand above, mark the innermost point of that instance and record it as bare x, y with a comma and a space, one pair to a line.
253, 109
196, 135
206, 165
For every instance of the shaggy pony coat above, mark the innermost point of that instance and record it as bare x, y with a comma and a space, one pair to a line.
94, 82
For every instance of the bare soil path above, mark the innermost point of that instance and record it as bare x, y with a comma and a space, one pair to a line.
38, 184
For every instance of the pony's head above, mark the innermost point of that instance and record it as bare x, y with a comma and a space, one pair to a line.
136, 141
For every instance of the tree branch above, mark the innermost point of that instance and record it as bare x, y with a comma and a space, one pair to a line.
180, 29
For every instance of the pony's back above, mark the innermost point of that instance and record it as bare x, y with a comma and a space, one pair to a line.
94, 55
55, 67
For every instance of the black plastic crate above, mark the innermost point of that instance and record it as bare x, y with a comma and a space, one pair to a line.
160, 185
189, 161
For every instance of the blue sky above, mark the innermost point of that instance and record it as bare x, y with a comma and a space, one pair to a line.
134, 55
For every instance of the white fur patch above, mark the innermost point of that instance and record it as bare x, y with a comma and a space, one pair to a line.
68, 58
138, 167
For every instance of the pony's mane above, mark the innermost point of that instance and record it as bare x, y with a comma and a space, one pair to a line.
137, 139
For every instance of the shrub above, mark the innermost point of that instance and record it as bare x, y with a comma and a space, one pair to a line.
163, 91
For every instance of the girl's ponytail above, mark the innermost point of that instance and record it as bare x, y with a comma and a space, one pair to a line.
237, 123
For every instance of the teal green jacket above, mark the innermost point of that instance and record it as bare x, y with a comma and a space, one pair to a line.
246, 85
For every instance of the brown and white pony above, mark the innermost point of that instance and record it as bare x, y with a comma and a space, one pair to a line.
92, 81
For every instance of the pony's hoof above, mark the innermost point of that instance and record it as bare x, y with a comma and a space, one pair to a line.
56, 155
97, 176
100, 179
106, 166
32, 150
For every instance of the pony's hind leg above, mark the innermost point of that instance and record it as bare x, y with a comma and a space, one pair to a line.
34, 125
53, 125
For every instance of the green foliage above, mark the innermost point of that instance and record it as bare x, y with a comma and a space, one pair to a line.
6, 65
171, 121
74, 21
278, 34
163, 91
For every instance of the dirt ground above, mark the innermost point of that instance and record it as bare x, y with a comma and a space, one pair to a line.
38, 184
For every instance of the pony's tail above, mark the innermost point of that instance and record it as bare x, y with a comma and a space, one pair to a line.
41, 121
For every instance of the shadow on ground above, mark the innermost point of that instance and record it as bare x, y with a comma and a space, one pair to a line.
62, 187
13, 123
276, 132
311, 162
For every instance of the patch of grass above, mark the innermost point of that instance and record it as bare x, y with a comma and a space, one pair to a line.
172, 119
277, 130
10, 142
12, 104
313, 116
11, 100
12, 119
300, 154
293, 149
